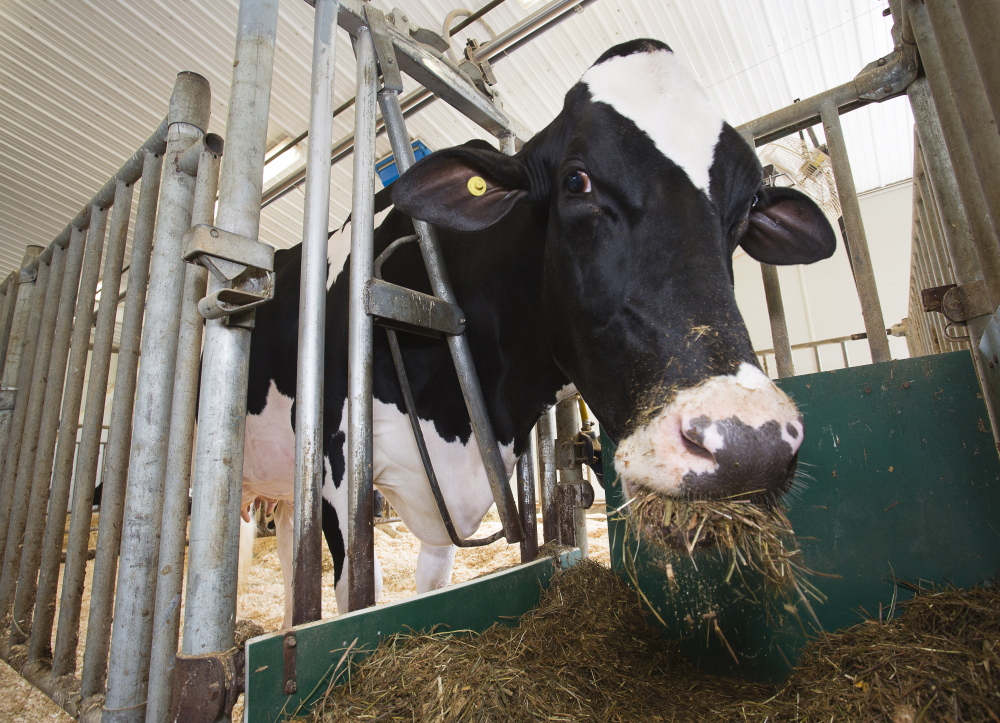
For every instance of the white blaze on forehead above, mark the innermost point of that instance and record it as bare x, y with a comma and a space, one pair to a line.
659, 93
656, 456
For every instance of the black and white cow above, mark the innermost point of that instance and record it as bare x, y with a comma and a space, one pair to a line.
598, 258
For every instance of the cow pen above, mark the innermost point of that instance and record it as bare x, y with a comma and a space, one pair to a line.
198, 269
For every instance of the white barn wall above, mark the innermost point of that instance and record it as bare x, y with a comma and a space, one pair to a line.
821, 301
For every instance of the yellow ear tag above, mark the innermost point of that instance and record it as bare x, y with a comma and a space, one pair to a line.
477, 186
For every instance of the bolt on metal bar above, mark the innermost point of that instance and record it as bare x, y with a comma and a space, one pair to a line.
173, 527
461, 353
526, 483
547, 477
17, 347
102, 592
864, 278
360, 528
210, 602
32, 427
779, 327
67, 634
309, 388
935, 94
24, 598
143, 457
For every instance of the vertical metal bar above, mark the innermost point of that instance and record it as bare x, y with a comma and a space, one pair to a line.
7, 316
32, 427
548, 479
361, 532
843, 352
779, 327
142, 507
18, 349
309, 470
864, 278
461, 354
34, 530
526, 482
102, 593
67, 635
173, 527
567, 427
210, 602
41, 632
982, 25
955, 144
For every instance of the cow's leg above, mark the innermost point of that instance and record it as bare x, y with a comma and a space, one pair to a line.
284, 521
335, 532
434, 565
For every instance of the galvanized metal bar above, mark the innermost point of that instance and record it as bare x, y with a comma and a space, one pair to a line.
173, 527
102, 592
779, 327
548, 15
32, 426
547, 477
361, 531
864, 278
461, 354
309, 469
142, 460
935, 94
527, 481
67, 635
12, 369
969, 96
24, 598
210, 602
7, 315
982, 26
567, 427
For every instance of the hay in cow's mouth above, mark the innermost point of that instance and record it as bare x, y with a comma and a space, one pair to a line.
755, 538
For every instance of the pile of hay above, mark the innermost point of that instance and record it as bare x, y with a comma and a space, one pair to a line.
938, 661
585, 653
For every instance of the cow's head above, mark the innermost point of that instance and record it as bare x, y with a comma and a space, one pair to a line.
648, 193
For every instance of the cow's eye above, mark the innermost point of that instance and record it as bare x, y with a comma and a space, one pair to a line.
578, 182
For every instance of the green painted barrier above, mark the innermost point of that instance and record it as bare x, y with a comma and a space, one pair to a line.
904, 481
321, 648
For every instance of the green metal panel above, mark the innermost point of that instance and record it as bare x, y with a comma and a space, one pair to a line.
905, 481
502, 597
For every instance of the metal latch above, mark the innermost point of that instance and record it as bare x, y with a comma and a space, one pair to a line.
245, 266
571, 452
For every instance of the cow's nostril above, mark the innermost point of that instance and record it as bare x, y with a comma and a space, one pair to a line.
693, 436
694, 447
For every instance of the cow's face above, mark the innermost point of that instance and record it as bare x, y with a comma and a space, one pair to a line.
648, 194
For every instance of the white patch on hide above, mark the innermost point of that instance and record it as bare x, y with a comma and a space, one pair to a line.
567, 391
269, 450
656, 456
339, 246
660, 94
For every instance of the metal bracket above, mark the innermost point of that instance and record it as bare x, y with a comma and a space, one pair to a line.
290, 686
7, 399
569, 497
571, 452
400, 308
28, 274
889, 75
205, 687
480, 71
384, 52
931, 299
244, 265
966, 302
402, 23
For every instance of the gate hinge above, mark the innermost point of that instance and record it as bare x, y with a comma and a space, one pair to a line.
571, 452
244, 265
959, 304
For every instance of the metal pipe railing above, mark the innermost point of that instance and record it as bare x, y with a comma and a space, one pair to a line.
779, 327
141, 457
527, 481
307, 604
547, 477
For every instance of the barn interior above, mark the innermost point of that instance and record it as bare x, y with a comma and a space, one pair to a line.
902, 427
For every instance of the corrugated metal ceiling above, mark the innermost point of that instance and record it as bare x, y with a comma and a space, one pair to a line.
83, 83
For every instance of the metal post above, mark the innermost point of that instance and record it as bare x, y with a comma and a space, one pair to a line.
32, 425
461, 354
142, 507
548, 479
7, 315
173, 527
67, 636
102, 590
934, 94
24, 599
982, 25
210, 603
309, 470
571, 517
361, 531
18, 349
526, 482
861, 262
779, 327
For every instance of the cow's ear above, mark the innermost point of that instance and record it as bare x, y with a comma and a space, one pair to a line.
787, 227
466, 188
